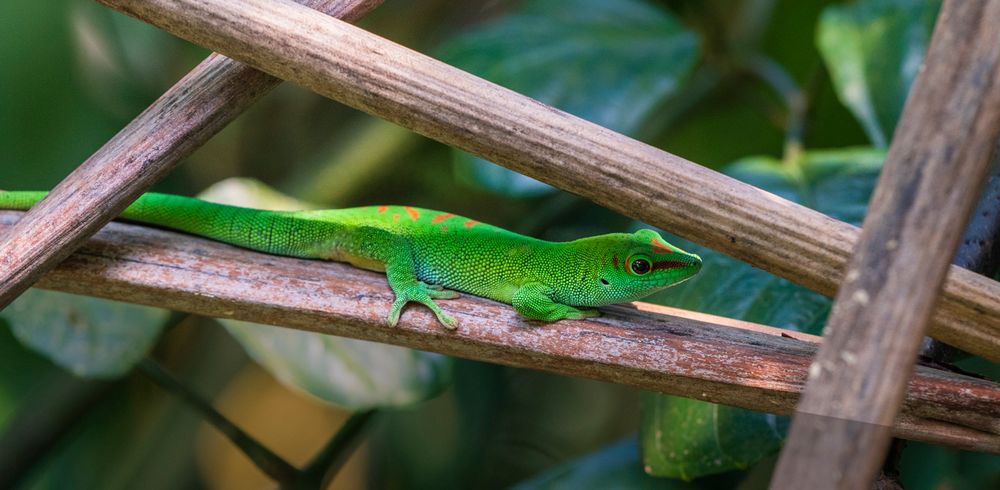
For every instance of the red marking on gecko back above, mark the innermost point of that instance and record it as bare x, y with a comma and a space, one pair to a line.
382, 209
395, 217
441, 217
470, 223
414, 214
614, 261
661, 248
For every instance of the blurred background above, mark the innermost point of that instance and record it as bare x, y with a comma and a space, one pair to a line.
799, 97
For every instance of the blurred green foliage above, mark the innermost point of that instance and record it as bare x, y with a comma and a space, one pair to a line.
873, 75
628, 54
696, 78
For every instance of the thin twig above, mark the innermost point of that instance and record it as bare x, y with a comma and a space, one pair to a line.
796, 102
45, 420
268, 462
328, 462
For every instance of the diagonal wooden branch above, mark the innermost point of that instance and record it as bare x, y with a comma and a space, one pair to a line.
180, 121
939, 159
662, 349
979, 251
369, 73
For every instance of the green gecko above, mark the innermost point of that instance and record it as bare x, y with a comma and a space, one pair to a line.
428, 255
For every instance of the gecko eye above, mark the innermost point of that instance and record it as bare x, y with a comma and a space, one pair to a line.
640, 266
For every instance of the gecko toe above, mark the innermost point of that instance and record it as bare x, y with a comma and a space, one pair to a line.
395, 311
437, 291
444, 294
581, 314
448, 321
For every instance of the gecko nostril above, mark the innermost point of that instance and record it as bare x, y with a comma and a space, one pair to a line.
604, 281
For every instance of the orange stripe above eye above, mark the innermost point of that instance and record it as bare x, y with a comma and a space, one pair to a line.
661, 248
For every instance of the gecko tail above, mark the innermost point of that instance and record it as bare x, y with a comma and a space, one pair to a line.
20, 200
275, 232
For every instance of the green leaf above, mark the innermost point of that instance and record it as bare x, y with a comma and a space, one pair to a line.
873, 49
615, 466
354, 374
89, 337
350, 373
930, 467
684, 438
608, 61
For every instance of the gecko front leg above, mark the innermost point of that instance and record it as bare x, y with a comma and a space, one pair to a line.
533, 300
402, 275
377, 249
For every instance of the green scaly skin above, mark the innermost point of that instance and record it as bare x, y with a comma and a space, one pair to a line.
429, 255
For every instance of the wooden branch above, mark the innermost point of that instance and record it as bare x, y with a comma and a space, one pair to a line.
180, 121
980, 248
374, 75
979, 251
736, 363
938, 160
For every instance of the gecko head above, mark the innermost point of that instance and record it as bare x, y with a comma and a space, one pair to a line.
635, 265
